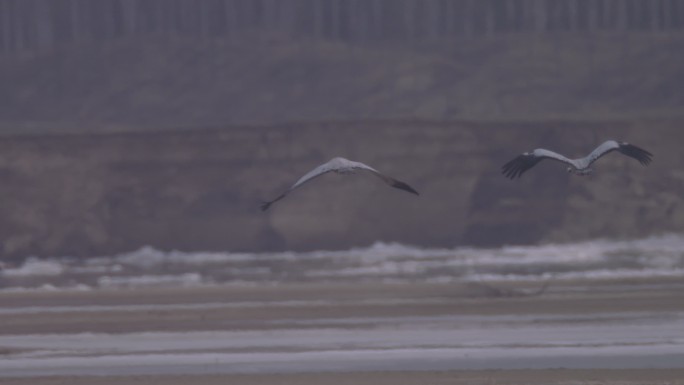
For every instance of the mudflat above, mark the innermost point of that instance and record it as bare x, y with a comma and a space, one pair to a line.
372, 333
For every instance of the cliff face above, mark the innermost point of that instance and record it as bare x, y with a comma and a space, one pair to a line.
102, 150
87, 195
175, 83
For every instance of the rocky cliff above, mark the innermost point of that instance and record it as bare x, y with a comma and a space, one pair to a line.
92, 194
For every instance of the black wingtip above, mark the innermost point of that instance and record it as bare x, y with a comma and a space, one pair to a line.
266, 205
644, 157
519, 165
507, 169
403, 186
512, 169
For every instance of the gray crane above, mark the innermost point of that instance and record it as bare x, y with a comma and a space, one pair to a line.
580, 166
341, 166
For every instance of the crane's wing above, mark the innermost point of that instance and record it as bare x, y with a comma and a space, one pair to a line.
318, 171
523, 162
643, 156
390, 181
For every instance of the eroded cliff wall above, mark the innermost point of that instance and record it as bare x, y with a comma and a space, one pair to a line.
94, 194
